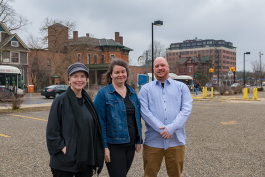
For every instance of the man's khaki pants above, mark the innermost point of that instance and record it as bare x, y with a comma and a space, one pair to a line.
174, 159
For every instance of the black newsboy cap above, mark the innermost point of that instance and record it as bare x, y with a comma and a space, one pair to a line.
76, 67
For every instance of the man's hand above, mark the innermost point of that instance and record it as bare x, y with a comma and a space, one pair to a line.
138, 147
165, 134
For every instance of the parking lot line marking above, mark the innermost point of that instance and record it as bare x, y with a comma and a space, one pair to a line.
205, 104
201, 107
29, 117
5, 135
229, 123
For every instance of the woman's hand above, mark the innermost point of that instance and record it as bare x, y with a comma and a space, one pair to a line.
107, 155
64, 150
138, 147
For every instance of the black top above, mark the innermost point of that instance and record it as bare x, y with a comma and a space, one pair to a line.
131, 121
90, 129
80, 101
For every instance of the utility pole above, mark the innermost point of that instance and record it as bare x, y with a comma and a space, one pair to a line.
260, 68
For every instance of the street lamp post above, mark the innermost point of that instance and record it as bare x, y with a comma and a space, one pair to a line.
218, 58
157, 23
244, 74
218, 65
260, 69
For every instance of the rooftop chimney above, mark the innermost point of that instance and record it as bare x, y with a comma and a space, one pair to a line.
75, 35
87, 35
121, 40
117, 35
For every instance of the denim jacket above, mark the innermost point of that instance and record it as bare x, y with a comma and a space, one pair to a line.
112, 113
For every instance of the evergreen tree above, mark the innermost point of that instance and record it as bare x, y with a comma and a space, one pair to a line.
200, 77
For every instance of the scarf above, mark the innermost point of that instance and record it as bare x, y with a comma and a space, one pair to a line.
82, 154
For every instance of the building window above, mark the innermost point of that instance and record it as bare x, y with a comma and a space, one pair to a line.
102, 58
112, 57
88, 58
190, 69
184, 70
95, 59
48, 62
14, 57
14, 43
79, 57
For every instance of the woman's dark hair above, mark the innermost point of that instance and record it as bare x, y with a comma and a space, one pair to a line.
106, 79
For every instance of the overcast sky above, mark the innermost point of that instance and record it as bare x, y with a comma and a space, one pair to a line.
241, 22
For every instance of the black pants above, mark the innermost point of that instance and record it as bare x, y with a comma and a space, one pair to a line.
59, 173
120, 160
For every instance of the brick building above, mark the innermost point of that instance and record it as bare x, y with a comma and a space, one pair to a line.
209, 51
62, 51
134, 71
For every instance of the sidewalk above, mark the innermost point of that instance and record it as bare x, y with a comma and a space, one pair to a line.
9, 106
239, 97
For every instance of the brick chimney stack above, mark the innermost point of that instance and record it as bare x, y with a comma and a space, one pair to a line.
121, 40
87, 35
75, 35
117, 35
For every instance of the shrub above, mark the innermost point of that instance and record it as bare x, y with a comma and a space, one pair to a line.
16, 102
237, 89
222, 89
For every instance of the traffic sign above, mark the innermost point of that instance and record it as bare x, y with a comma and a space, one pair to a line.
230, 73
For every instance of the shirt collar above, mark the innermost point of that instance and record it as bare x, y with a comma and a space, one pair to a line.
169, 80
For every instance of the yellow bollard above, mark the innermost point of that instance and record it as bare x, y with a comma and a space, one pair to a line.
245, 93
255, 93
203, 88
205, 92
211, 92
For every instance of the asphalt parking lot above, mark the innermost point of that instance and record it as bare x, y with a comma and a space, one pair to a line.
224, 138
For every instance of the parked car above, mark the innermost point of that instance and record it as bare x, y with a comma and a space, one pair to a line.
235, 85
53, 90
208, 85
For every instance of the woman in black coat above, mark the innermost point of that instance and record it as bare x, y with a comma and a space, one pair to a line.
74, 137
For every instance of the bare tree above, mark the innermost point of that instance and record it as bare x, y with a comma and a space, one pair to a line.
53, 41
60, 49
257, 73
55, 33
39, 71
10, 18
159, 51
35, 42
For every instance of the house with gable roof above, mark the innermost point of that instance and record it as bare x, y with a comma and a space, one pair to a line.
13, 51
